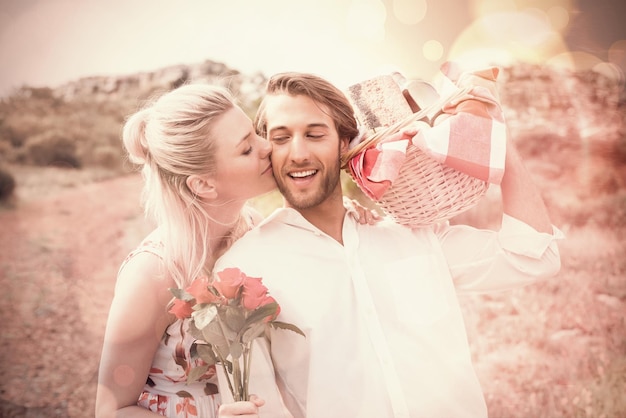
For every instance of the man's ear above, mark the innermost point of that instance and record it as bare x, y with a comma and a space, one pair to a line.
202, 186
343, 146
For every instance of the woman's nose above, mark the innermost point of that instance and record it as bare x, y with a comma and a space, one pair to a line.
265, 146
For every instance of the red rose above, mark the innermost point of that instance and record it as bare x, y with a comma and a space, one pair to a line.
199, 289
181, 309
254, 293
268, 299
230, 281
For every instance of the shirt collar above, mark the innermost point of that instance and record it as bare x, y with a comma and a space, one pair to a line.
290, 216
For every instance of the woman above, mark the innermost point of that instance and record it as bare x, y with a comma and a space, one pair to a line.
201, 160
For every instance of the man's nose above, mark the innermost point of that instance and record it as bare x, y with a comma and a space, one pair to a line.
298, 148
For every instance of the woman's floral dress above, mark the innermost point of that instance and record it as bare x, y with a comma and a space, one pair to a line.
166, 391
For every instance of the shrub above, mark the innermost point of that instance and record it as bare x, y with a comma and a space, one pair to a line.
7, 185
107, 156
11, 135
6, 150
52, 148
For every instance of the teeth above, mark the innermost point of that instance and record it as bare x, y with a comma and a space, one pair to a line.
300, 174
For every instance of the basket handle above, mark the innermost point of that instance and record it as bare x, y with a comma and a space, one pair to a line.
382, 132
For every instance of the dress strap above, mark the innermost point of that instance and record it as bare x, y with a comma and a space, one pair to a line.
149, 245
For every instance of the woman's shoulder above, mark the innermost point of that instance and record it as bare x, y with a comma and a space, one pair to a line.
146, 259
151, 243
145, 271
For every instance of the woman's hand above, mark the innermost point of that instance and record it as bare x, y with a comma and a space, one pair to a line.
363, 215
249, 409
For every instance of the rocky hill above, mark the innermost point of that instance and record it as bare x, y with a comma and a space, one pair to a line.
569, 125
106, 88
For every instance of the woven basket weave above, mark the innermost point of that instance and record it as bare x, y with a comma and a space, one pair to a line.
425, 191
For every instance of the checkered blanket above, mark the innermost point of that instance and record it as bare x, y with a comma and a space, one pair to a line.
466, 131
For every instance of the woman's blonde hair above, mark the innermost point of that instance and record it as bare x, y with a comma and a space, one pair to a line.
171, 139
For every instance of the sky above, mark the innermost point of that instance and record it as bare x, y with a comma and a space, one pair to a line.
50, 42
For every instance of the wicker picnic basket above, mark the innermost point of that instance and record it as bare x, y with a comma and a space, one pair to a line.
425, 191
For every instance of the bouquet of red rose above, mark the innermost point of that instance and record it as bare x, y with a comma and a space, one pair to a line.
226, 315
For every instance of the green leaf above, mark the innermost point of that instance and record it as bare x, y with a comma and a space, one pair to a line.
196, 373
234, 318
195, 332
203, 317
221, 327
253, 332
181, 294
286, 326
262, 312
206, 354
193, 351
213, 335
236, 350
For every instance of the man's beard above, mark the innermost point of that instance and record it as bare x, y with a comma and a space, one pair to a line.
301, 201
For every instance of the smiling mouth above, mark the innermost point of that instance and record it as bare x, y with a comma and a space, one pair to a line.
302, 174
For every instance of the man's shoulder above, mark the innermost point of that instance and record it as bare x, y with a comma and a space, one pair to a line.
252, 237
256, 239
252, 251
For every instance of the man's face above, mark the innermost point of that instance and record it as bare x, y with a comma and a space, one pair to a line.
305, 150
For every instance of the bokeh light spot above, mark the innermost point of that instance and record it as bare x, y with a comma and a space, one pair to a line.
503, 38
432, 50
617, 54
559, 17
409, 12
482, 8
610, 71
476, 58
529, 28
574, 61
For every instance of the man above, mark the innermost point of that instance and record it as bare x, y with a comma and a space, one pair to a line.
384, 331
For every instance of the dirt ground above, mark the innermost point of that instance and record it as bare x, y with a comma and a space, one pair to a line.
552, 350
58, 259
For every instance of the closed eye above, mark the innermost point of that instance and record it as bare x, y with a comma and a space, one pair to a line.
279, 139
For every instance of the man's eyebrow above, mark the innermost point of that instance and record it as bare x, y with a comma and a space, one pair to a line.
318, 125
310, 125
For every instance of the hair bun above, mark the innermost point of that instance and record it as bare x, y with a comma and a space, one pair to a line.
134, 137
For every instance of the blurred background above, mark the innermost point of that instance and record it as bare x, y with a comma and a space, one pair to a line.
45, 43
73, 70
